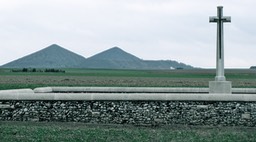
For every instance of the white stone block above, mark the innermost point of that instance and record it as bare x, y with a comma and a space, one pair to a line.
220, 87
17, 91
43, 90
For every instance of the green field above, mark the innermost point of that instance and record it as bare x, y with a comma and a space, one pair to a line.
124, 78
66, 132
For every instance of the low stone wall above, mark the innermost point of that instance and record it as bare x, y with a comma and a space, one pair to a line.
136, 106
132, 112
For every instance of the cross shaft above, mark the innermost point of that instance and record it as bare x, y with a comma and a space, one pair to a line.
220, 19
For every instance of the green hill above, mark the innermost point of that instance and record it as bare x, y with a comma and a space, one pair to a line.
55, 56
116, 58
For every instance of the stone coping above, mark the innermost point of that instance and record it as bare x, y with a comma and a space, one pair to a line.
130, 89
128, 97
17, 91
127, 93
137, 90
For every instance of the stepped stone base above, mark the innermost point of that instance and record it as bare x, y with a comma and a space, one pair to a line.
220, 87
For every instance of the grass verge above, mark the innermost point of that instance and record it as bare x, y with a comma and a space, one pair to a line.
56, 132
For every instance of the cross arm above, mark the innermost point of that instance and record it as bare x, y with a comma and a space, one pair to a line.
213, 19
223, 19
226, 19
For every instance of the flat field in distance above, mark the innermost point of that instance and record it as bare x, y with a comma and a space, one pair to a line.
124, 78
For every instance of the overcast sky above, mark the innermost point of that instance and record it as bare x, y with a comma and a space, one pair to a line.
149, 29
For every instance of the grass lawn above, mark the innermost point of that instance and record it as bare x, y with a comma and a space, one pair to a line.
66, 132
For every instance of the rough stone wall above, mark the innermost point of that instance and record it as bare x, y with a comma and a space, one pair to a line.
132, 112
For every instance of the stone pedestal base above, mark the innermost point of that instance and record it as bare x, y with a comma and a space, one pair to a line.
220, 87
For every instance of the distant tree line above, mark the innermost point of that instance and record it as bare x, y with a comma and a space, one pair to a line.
253, 67
38, 70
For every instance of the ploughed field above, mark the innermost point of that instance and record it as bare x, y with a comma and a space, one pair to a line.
124, 78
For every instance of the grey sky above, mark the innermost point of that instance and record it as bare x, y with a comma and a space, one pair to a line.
149, 29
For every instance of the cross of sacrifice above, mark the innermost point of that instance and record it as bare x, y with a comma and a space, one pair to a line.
220, 19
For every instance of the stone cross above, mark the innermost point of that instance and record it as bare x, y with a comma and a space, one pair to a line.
220, 19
